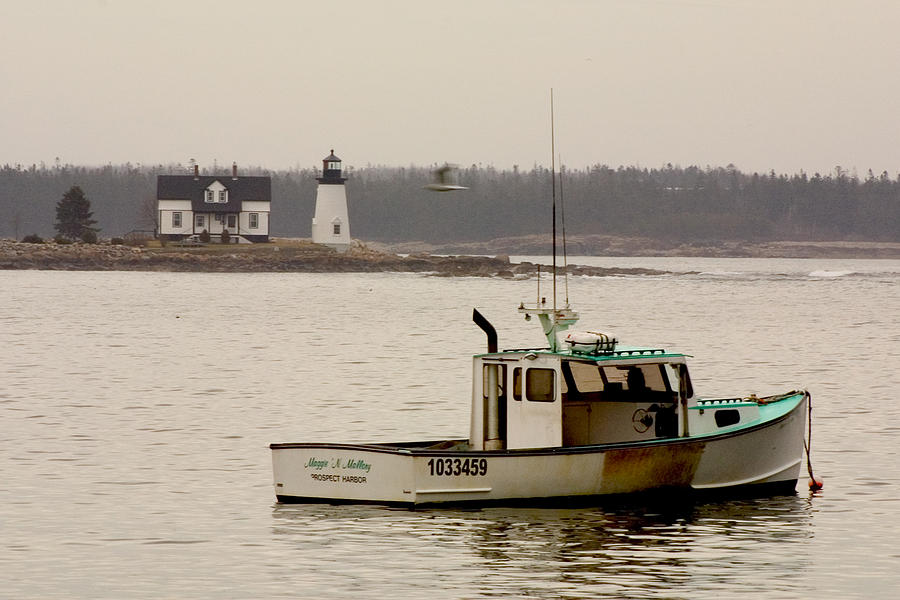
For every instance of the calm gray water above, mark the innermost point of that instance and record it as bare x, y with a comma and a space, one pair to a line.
137, 409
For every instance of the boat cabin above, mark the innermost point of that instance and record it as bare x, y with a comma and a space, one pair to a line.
545, 399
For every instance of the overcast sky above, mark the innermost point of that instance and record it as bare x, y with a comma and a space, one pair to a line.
763, 84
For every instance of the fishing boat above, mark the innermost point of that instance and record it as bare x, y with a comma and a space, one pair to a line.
578, 419
582, 418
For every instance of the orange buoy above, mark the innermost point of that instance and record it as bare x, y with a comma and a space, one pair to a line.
815, 484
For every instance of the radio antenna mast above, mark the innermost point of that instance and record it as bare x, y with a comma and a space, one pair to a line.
553, 320
553, 187
562, 208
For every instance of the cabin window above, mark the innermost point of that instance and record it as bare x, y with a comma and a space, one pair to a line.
539, 385
588, 381
201, 221
254, 220
232, 221
587, 376
517, 383
176, 219
638, 378
728, 416
337, 229
222, 198
209, 196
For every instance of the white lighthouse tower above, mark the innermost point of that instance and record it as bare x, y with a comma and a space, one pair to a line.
331, 225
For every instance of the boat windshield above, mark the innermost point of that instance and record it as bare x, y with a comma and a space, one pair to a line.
588, 381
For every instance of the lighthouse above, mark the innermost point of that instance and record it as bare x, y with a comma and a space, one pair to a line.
331, 225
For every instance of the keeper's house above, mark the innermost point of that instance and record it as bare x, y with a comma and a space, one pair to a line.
190, 204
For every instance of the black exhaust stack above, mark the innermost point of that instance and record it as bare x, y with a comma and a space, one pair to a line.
487, 328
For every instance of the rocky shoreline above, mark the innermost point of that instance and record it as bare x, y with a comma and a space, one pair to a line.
299, 258
304, 257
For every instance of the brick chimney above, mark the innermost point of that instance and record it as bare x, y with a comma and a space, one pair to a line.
234, 170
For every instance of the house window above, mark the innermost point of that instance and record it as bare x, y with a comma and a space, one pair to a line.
201, 221
254, 220
222, 197
337, 229
176, 220
209, 196
232, 221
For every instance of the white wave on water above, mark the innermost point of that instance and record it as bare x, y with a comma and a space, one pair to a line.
826, 274
723, 273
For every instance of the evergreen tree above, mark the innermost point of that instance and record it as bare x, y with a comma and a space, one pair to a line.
73, 215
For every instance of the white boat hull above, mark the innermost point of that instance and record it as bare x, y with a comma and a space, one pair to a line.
766, 453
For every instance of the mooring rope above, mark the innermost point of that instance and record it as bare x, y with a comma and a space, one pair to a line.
814, 484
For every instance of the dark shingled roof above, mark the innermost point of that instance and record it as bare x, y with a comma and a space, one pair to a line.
186, 187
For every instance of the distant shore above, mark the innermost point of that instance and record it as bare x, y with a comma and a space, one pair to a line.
480, 260
620, 246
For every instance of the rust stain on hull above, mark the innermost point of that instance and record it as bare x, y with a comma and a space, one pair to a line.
634, 469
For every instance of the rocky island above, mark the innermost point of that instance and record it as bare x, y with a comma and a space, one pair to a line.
280, 256
484, 260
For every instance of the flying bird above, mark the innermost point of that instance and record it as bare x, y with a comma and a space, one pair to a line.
445, 180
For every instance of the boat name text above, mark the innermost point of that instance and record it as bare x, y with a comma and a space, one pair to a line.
336, 463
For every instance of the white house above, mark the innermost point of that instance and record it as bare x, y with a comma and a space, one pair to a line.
331, 225
190, 204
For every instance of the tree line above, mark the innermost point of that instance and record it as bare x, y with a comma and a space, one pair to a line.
389, 203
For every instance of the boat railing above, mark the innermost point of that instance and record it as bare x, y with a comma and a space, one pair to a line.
544, 349
624, 353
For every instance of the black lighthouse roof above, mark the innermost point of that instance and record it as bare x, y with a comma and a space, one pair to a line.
331, 170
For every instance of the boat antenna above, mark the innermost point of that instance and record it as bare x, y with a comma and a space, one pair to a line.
553, 188
553, 320
562, 207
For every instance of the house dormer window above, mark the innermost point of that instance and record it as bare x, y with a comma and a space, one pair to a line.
216, 193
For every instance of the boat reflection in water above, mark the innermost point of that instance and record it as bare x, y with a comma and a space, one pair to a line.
624, 550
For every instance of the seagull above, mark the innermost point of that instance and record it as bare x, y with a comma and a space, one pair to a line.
445, 180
